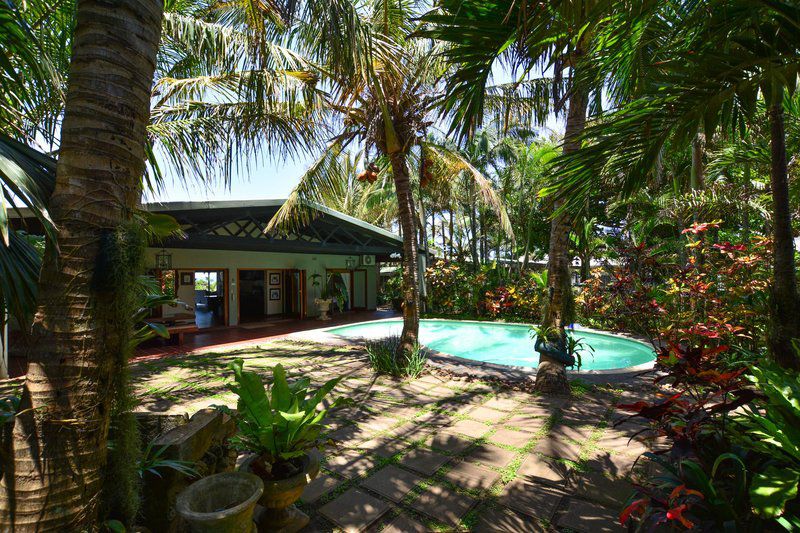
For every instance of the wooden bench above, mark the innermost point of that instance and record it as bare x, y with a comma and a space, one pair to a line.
178, 331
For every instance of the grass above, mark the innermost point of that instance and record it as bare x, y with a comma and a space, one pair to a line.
384, 359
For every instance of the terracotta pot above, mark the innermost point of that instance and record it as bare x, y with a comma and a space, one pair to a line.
279, 512
222, 503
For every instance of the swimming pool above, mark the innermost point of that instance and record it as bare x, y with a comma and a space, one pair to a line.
503, 344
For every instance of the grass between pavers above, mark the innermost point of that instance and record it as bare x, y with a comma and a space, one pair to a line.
474, 393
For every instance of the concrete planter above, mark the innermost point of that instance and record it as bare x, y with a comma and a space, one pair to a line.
278, 512
324, 306
222, 503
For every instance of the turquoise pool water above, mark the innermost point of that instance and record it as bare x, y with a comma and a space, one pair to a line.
504, 344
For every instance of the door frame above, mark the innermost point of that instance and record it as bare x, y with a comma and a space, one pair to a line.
283, 271
225, 286
352, 282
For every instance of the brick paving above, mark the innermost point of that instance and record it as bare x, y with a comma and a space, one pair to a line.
435, 453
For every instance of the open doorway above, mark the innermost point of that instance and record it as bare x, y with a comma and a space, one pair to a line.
209, 298
266, 294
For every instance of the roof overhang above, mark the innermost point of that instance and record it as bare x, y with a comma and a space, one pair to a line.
241, 224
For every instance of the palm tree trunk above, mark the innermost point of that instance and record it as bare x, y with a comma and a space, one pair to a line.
408, 218
55, 469
473, 227
785, 303
551, 375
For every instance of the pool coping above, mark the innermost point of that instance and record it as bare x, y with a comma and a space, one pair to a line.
456, 364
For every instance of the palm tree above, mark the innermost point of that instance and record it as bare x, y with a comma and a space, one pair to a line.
59, 437
719, 61
383, 97
526, 36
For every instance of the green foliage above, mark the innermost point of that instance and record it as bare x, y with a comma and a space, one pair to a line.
490, 292
283, 421
385, 359
153, 462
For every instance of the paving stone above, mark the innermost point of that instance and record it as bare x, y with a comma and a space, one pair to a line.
403, 429
452, 444
392, 482
491, 455
354, 510
510, 437
555, 447
350, 464
443, 504
377, 423
471, 476
384, 446
580, 433
434, 419
504, 520
612, 440
440, 392
405, 524
532, 499
601, 489
413, 432
484, 414
402, 412
430, 379
469, 428
418, 387
502, 404
590, 518
611, 464
319, 487
424, 461
526, 423
349, 436
536, 409
538, 469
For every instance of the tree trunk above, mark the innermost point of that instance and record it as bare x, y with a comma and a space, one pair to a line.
697, 177
473, 227
746, 210
551, 375
451, 231
408, 219
785, 303
55, 470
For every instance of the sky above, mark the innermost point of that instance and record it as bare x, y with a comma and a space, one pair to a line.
261, 179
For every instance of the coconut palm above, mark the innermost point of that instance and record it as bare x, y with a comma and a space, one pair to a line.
725, 67
59, 438
384, 89
527, 38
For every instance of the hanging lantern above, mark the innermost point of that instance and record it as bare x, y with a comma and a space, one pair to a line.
164, 260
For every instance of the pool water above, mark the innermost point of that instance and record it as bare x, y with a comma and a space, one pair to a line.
504, 344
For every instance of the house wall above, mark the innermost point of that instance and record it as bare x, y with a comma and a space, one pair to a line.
234, 260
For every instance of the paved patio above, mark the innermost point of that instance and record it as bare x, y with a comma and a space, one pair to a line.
435, 453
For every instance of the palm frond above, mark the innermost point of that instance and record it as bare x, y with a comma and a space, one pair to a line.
452, 163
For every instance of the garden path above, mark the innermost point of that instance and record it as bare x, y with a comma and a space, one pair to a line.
435, 453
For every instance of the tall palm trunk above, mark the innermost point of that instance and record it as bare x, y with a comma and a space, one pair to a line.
785, 304
54, 472
405, 200
551, 375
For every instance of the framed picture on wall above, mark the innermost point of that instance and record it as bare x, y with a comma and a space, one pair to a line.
274, 294
274, 278
187, 278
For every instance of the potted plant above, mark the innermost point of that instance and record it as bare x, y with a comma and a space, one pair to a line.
323, 303
281, 427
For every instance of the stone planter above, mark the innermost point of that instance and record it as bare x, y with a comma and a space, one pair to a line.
279, 513
324, 306
222, 503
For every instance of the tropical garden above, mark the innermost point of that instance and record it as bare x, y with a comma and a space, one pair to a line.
623, 166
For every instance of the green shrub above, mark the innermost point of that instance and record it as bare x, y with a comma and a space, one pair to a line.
383, 358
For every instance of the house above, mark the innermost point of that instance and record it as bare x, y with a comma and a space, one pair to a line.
227, 271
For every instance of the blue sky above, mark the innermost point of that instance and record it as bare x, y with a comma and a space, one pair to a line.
264, 179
